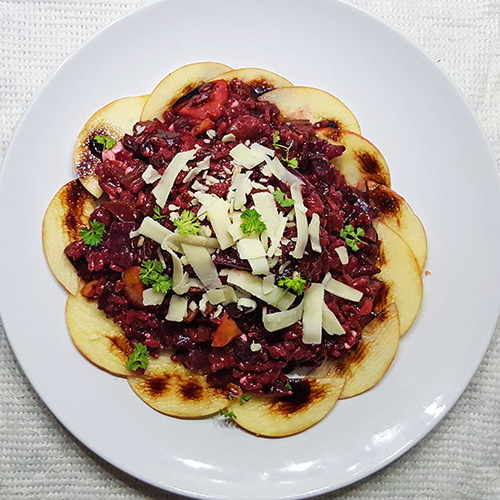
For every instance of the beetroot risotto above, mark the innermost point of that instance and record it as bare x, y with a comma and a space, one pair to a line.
228, 239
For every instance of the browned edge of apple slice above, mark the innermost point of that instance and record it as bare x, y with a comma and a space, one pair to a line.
261, 80
315, 105
361, 160
401, 275
312, 399
113, 120
395, 212
67, 213
96, 336
177, 84
170, 388
367, 363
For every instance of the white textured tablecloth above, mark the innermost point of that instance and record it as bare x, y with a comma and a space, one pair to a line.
460, 459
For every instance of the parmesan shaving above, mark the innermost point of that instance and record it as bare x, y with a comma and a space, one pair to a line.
312, 318
150, 175
300, 222
202, 264
282, 173
341, 289
217, 212
246, 303
192, 239
152, 298
180, 278
343, 256
200, 166
331, 324
276, 321
177, 308
151, 229
314, 233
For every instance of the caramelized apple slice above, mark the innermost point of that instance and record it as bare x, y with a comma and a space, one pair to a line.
307, 103
172, 389
401, 276
177, 84
396, 213
313, 398
364, 366
96, 336
66, 214
361, 160
113, 120
261, 80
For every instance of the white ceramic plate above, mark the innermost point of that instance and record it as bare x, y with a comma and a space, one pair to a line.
438, 158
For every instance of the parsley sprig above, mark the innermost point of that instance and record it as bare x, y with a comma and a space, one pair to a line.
282, 199
291, 162
288, 385
251, 222
157, 215
188, 223
244, 398
105, 141
293, 283
151, 273
228, 414
352, 236
138, 358
93, 235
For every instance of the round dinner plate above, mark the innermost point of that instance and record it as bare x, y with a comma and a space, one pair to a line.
439, 161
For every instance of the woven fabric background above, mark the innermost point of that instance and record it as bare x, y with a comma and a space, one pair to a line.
460, 459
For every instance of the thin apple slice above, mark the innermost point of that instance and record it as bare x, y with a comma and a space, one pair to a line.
365, 366
361, 160
261, 80
113, 120
170, 388
96, 336
66, 214
307, 103
401, 276
179, 83
313, 398
395, 212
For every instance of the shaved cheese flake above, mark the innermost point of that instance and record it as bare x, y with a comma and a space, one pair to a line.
247, 157
331, 324
276, 238
300, 222
266, 206
217, 212
235, 227
250, 248
180, 278
246, 303
200, 166
254, 285
312, 319
343, 256
150, 175
268, 283
202, 264
241, 187
151, 229
282, 173
260, 150
342, 290
192, 239
162, 190
216, 295
314, 233
259, 265
177, 308
255, 346
152, 298
277, 321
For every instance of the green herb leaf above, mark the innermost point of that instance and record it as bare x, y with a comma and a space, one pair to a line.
294, 283
352, 236
188, 223
288, 386
276, 139
138, 358
290, 162
93, 235
293, 163
251, 222
151, 273
105, 141
244, 398
282, 199
227, 414
157, 215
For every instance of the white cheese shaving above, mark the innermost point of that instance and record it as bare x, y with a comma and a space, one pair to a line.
191, 239
255, 346
331, 324
177, 308
152, 298
200, 166
161, 259
312, 318
211, 133
217, 212
341, 289
235, 227
276, 321
314, 233
202, 264
180, 278
198, 186
162, 190
228, 138
259, 265
343, 256
282, 173
268, 283
266, 206
247, 157
250, 248
246, 303
150, 175
260, 150
151, 229
240, 187
216, 296
300, 222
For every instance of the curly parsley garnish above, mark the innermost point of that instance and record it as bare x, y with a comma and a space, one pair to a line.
93, 235
151, 273
227, 414
352, 236
157, 215
188, 223
291, 162
105, 141
251, 222
282, 199
294, 283
138, 358
288, 385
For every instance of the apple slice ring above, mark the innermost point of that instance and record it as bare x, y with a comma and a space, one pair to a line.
97, 337
361, 160
68, 211
396, 213
315, 105
113, 120
177, 84
401, 275
172, 389
261, 80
